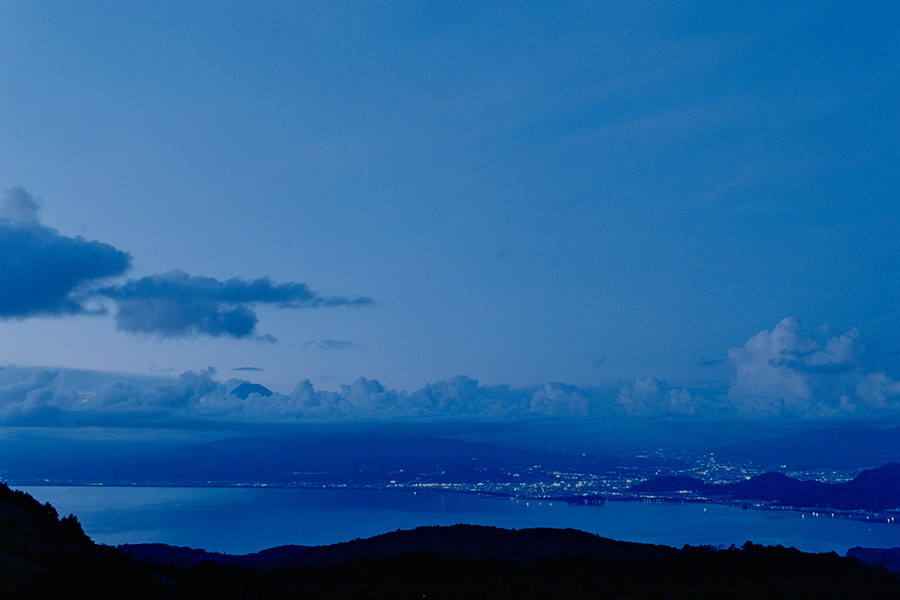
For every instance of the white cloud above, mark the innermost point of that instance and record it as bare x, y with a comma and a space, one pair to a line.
649, 396
789, 372
18, 206
877, 390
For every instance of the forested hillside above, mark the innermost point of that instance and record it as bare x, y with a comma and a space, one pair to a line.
43, 556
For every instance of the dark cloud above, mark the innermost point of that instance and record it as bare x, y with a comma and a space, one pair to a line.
176, 304
43, 272
246, 369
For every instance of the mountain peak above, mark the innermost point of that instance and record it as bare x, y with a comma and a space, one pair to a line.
244, 390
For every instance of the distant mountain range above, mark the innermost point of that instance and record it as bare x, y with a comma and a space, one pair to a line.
374, 454
833, 448
332, 458
43, 556
872, 490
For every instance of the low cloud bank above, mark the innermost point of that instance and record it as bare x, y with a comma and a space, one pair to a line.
43, 273
778, 374
37, 396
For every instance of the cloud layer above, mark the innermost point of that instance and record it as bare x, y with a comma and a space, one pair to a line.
44, 397
43, 273
785, 372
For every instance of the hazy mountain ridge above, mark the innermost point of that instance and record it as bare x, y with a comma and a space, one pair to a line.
335, 458
872, 490
834, 448
403, 453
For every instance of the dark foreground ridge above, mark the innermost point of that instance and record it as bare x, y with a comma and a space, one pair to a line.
43, 556
459, 541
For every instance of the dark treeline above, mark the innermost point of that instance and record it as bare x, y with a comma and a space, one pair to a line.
461, 541
43, 556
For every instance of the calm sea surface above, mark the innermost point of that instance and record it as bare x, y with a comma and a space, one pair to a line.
243, 520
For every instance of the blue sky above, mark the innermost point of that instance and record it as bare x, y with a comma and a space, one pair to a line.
692, 204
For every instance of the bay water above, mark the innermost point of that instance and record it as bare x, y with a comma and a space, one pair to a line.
243, 520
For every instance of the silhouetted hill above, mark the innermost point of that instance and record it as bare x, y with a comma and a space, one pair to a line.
750, 572
776, 487
463, 541
889, 558
873, 490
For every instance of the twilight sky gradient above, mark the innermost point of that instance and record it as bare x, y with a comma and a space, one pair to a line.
669, 207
